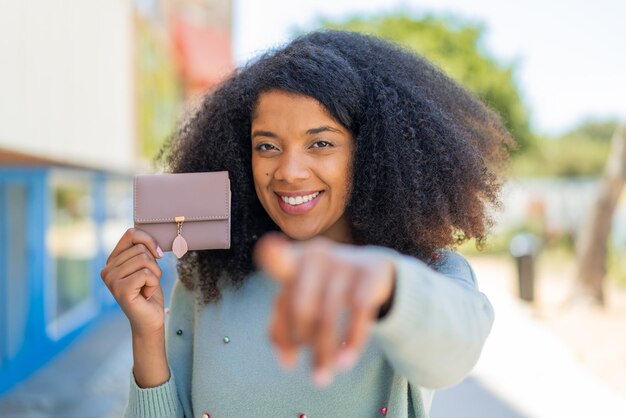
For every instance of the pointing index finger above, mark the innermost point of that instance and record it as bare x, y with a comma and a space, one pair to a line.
279, 258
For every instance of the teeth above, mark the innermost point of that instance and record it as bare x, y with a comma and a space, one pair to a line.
298, 200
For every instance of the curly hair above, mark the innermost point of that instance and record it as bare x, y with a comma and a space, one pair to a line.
427, 159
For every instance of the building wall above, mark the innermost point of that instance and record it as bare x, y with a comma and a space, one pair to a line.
82, 82
67, 81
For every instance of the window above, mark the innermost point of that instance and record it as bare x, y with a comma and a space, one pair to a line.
72, 246
118, 216
14, 285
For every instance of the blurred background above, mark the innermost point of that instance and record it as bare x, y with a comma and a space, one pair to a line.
91, 89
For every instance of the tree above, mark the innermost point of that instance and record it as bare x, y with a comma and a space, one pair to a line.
592, 240
580, 152
456, 47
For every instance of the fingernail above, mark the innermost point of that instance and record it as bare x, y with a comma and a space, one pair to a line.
159, 251
322, 377
346, 359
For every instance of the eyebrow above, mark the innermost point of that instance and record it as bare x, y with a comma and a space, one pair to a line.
263, 133
311, 131
314, 131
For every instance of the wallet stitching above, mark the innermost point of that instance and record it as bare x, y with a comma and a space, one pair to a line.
187, 218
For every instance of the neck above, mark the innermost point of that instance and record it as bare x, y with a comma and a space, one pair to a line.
341, 232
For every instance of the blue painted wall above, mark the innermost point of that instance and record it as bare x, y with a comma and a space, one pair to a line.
29, 317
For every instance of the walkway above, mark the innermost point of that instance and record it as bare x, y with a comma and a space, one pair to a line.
524, 372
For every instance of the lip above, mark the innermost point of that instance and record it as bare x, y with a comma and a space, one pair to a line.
301, 208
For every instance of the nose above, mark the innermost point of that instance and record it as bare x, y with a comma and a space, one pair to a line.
292, 168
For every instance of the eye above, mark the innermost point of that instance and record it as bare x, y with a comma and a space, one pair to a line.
264, 147
322, 144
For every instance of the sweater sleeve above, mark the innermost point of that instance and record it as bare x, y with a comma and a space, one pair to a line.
438, 322
172, 399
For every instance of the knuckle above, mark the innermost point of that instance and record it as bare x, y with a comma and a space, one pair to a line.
302, 312
125, 297
143, 263
142, 248
114, 288
317, 249
153, 279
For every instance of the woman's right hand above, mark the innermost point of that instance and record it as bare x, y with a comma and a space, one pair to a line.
133, 277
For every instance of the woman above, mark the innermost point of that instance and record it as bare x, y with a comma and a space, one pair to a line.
367, 164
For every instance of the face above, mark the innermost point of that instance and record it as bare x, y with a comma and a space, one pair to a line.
301, 162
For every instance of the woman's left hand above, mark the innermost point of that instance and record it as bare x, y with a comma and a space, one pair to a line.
319, 280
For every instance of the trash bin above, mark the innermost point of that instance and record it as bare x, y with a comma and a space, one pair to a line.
524, 248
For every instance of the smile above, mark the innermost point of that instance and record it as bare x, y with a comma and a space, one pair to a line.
298, 200
297, 205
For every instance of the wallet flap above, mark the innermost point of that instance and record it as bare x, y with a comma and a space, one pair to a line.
196, 196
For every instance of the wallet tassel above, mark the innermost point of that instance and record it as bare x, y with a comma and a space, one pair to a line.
179, 246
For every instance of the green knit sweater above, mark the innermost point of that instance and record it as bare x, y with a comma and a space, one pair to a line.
222, 362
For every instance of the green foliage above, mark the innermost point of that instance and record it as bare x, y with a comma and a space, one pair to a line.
581, 152
593, 130
496, 244
456, 47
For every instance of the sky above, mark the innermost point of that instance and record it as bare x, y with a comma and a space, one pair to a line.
570, 55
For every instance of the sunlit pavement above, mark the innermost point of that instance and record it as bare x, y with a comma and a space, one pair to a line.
525, 369
470, 399
89, 380
524, 372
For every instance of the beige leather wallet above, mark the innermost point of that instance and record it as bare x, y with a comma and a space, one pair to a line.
184, 211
